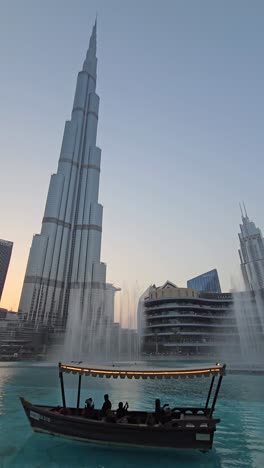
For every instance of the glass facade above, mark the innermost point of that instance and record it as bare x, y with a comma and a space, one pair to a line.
5, 254
207, 282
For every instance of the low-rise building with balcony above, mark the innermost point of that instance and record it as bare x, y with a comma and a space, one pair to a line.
185, 321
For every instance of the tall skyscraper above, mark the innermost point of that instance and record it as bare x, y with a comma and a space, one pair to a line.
207, 282
5, 255
251, 253
64, 267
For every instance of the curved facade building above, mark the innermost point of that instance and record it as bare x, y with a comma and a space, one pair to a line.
184, 321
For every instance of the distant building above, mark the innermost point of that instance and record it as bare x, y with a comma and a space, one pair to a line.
251, 254
3, 313
184, 321
207, 282
109, 302
22, 340
5, 255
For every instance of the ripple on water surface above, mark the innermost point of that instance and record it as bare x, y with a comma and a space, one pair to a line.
238, 439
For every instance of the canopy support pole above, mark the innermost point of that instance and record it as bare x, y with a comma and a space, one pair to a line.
62, 389
216, 395
210, 391
79, 391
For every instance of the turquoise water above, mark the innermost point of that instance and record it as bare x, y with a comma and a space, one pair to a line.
239, 439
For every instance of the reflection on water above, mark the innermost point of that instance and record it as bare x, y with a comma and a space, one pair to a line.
61, 454
238, 439
5, 376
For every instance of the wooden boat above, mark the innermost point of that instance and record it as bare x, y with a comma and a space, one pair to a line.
186, 427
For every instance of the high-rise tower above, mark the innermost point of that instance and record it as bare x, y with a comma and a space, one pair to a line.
5, 255
64, 258
251, 253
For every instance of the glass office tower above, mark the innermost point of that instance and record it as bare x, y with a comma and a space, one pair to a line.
207, 282
5, 255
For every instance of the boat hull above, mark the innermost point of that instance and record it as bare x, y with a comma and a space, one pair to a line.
193, 433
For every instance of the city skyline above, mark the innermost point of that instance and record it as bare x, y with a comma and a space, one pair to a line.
180, 123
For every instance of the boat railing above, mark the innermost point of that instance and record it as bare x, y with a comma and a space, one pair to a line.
193, 424
192, 411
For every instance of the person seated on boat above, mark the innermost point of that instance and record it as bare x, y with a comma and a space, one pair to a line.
121, 411
167, 411
157, 406
159, 411
106, 406
88, 411
162, 414
89, 403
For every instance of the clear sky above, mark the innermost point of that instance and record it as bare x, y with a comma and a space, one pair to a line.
180, 127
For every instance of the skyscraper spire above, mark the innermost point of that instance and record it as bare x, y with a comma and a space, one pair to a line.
92, 43
245, 210
64, 260
241, 211
251, 253
90, 63
243, 214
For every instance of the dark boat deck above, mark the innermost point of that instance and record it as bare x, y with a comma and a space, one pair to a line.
183, 417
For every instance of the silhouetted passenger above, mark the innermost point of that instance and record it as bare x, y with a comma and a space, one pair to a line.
106, 406
88, 411
167, 410
121, 410
89, 403
162, 414
157, 406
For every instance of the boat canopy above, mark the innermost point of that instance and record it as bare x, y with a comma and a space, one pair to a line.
137, 371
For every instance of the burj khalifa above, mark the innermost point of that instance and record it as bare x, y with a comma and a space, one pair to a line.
65, 257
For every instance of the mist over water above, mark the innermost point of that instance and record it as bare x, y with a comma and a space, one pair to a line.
249, 316
96, 333
88, 332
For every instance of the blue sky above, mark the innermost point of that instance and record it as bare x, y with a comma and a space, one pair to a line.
180, 127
